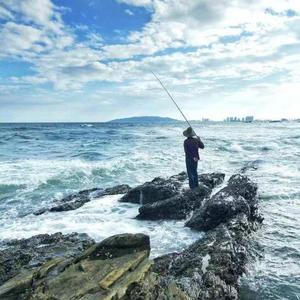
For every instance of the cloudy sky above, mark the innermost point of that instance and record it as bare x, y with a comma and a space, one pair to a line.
91, 60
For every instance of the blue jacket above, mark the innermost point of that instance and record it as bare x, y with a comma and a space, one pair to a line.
191, 146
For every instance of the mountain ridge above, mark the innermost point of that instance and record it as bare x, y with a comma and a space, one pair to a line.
145, 119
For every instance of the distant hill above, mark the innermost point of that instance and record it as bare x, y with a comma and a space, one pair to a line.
143, 120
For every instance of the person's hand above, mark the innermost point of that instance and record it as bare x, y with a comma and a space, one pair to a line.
195, 159
193, 132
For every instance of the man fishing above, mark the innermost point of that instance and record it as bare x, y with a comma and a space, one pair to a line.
192, 144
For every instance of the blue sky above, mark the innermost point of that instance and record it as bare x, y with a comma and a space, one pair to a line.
92, 60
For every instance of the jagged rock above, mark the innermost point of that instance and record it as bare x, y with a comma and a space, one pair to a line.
239, 196
91, 276
33, 252
211, 180
149, 192
176, 207
76, 200
161, 189
209, 269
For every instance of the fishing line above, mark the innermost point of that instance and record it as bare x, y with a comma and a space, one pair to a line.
165, 89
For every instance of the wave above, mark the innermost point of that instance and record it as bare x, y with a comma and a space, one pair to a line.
87, 125
9, 188
90, 156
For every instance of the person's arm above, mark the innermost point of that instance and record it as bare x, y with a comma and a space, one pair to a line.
200, 143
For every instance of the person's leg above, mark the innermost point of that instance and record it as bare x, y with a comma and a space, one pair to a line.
194, 174
189, 173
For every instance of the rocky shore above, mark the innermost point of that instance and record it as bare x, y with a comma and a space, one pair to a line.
65, 267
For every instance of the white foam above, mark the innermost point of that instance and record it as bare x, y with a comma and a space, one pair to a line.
101, 218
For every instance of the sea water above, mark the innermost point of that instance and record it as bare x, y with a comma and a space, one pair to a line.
40, 163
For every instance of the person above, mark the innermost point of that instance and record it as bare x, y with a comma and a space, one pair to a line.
192, 144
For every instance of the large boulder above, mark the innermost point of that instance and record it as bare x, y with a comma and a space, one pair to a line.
33, 252
105, 272
176, 207
239, 196
155, 190
161, 189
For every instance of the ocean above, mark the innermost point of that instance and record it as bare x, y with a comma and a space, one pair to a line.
40, 163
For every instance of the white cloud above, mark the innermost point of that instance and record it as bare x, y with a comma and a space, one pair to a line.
129, 12
201, 48
146, 3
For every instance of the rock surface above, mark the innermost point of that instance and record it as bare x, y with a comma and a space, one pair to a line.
155, 190
211, 267
239, 196
161, 189
177, 207
76, 200
208, 270
104, 271
183, 202
33, 252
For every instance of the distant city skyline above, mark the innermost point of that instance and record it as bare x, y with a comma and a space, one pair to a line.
89, 60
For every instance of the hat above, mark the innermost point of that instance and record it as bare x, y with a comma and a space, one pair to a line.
189, 132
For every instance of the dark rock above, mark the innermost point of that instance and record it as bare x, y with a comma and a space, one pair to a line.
33, 252
117, 190
209, 269
212, 180
239, 196
176, 207
156, 190
76, 200
119, 245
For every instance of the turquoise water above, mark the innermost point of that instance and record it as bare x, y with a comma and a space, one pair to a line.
40, 163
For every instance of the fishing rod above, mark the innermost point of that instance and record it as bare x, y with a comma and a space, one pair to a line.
171, 98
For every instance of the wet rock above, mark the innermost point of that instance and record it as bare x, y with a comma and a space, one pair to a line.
89, 276
76, 200
209, 269
33, 252
239, 196
149, 192
116, 190
119, 245
161, 189
211, 180
176, 207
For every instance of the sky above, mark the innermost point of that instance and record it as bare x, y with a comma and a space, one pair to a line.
91, 60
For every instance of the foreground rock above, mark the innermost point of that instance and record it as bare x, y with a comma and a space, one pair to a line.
33, 252
208, 270
104, 271
77, 200
238, 197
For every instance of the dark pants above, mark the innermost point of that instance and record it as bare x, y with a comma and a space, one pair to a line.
191, 167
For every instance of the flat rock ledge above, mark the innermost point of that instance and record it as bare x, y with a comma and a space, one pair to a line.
119, 267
